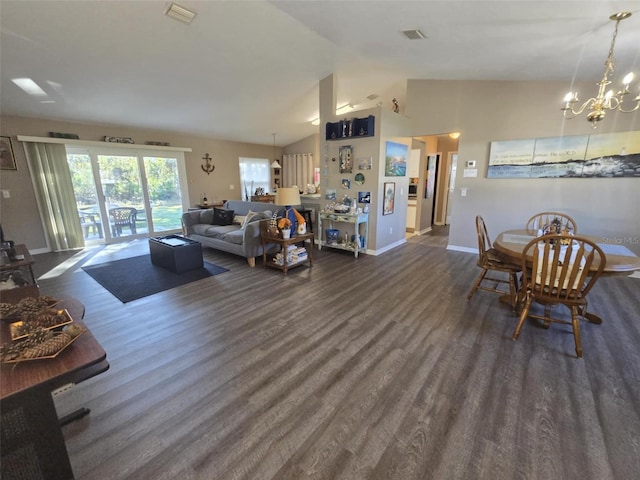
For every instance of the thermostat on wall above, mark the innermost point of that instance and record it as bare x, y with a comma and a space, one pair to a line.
471, 164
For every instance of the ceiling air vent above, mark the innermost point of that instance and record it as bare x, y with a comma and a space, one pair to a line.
180, 13
414, 34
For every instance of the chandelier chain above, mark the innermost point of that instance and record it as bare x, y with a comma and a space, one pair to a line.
611, 60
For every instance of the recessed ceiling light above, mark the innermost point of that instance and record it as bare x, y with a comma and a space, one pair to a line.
29, 86
180, 13
414, 34
373, 96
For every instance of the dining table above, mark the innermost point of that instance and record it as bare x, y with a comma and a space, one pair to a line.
622, 253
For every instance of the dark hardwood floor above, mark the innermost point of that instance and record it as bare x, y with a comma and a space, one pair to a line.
368, 368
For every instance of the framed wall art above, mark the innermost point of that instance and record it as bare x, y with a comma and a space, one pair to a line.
365, 163
346, 159
389, 198
7, 159
395, 159
605, 155
330, 194
364, 197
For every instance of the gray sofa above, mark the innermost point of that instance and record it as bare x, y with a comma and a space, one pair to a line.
246, 242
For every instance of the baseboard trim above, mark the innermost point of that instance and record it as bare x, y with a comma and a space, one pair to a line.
388, 247
458, 248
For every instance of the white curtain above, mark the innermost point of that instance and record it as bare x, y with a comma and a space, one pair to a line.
297, 169
54, 191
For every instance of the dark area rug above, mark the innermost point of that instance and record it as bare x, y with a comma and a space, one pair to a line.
136, 277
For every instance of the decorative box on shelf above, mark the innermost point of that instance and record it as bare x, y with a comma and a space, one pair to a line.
354, 128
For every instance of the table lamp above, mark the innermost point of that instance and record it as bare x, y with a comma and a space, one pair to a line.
287, 197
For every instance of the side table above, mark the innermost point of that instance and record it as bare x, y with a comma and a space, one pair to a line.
24, 265
285, 243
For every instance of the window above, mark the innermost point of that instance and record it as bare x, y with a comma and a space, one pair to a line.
150, 182
254, 174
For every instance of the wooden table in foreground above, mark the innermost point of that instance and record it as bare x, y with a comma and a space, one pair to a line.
32, 442
623, 257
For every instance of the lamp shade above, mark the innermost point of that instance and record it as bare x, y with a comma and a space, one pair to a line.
287, 196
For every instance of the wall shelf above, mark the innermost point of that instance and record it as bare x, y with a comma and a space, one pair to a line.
354, 128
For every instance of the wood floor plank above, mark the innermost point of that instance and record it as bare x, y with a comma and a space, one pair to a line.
368, 368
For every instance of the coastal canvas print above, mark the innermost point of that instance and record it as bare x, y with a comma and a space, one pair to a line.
613, 155
579, 156
559, 156
395, 160
511, 159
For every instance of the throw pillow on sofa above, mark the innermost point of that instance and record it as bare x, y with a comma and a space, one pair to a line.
222, 216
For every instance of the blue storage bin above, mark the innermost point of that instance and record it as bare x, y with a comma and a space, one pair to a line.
332, 235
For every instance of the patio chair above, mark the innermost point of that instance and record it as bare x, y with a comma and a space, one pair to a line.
90, 224
564, 269
122, 217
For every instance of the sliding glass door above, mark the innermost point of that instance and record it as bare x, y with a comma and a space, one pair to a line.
122, 195
126, 195
164, 192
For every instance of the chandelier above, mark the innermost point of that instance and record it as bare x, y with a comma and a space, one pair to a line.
605, 100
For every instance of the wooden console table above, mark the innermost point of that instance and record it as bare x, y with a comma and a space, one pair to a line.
32, 442
357, 219
211, 205
263, 198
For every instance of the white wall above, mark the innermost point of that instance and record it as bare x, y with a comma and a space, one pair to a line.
485, 111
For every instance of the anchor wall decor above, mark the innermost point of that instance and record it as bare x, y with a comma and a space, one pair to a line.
208, 166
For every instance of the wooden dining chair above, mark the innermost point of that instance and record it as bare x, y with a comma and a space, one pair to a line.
490, 260
559, 269
545, 219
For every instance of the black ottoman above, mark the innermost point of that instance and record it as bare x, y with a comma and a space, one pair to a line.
175, 253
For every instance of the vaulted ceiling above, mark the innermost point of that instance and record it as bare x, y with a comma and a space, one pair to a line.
243, 70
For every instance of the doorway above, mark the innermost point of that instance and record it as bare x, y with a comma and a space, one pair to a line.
436, 177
